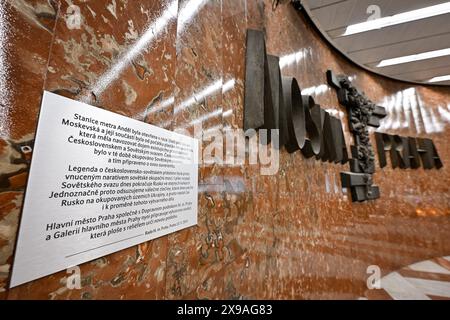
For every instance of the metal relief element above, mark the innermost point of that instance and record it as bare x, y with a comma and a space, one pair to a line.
311, 142
277, 98
259, 111
362, 113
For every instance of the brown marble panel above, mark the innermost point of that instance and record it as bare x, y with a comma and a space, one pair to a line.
238, 185
26, 33
121, 58
194, 265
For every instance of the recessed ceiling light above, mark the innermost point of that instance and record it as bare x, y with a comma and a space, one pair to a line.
440, 79
414, 57
404, 17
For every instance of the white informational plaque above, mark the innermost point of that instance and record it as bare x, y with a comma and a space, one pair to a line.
100, 182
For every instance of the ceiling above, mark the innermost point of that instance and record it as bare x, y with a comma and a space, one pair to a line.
369, 48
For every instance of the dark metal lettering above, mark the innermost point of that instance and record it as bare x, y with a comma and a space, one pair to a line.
414, 157
259, 111
428, 153
407, 152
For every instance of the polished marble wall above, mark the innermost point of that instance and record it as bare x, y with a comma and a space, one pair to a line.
294, 235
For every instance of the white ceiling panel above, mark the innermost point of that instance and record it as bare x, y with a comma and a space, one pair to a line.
401, 48
425, 74
423, 65
369, 48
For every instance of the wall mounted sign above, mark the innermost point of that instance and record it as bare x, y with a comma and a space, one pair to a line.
100, 182
273, 101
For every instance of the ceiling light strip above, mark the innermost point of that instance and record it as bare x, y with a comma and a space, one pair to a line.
414, 57
439, 79
400, 18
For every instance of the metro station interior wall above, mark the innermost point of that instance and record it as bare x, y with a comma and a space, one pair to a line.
292, 235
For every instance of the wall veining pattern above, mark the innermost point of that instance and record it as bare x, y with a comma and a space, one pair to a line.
175, 63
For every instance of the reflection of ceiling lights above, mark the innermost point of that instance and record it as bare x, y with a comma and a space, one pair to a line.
198, 97
292, 58
398, 19
414, 57
185, 14
440, 79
